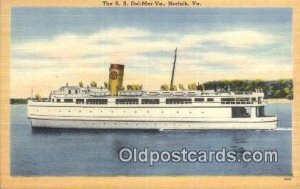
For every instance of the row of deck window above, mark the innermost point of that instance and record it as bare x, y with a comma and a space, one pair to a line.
136, 101
240, 100
157, 101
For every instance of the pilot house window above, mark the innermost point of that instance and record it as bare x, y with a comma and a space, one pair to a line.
227, 100
68, 100
79, 101
210, 99
199, 100
96, 101
178, 101
240, 112
260, 111
127, 101
150, 101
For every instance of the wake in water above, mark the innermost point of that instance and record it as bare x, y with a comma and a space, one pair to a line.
283, 129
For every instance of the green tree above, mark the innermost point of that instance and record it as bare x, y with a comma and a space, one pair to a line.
80, 84
181, 87
192, 86
174, 88
282, 88
38, 97
165, 87
129, 87
121, 88
93, 84
105, 85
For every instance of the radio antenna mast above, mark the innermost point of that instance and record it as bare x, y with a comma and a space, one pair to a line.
173, 71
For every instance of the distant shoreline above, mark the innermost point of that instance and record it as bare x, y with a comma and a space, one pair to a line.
18, 101
278, 101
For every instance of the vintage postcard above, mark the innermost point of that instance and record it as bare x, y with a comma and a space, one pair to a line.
149, 94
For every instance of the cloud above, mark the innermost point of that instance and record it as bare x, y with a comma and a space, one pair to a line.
111, 43
132, 41
148, 56
234, 39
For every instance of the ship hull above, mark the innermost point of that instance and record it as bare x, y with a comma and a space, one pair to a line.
266, 123
160, 117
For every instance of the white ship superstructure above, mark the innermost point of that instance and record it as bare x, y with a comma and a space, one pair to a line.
112, 107
78, 107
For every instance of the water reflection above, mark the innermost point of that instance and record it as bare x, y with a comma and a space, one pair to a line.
84, 152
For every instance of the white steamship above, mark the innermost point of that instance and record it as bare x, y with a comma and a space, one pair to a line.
114, 108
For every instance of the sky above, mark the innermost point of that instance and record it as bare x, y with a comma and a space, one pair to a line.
54, 46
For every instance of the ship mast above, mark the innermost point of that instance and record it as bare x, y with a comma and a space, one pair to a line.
173, 71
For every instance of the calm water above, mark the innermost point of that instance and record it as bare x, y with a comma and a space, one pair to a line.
95, 152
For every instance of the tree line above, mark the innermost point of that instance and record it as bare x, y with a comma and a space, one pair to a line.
282, 88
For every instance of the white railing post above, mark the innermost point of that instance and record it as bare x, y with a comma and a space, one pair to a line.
253, 111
